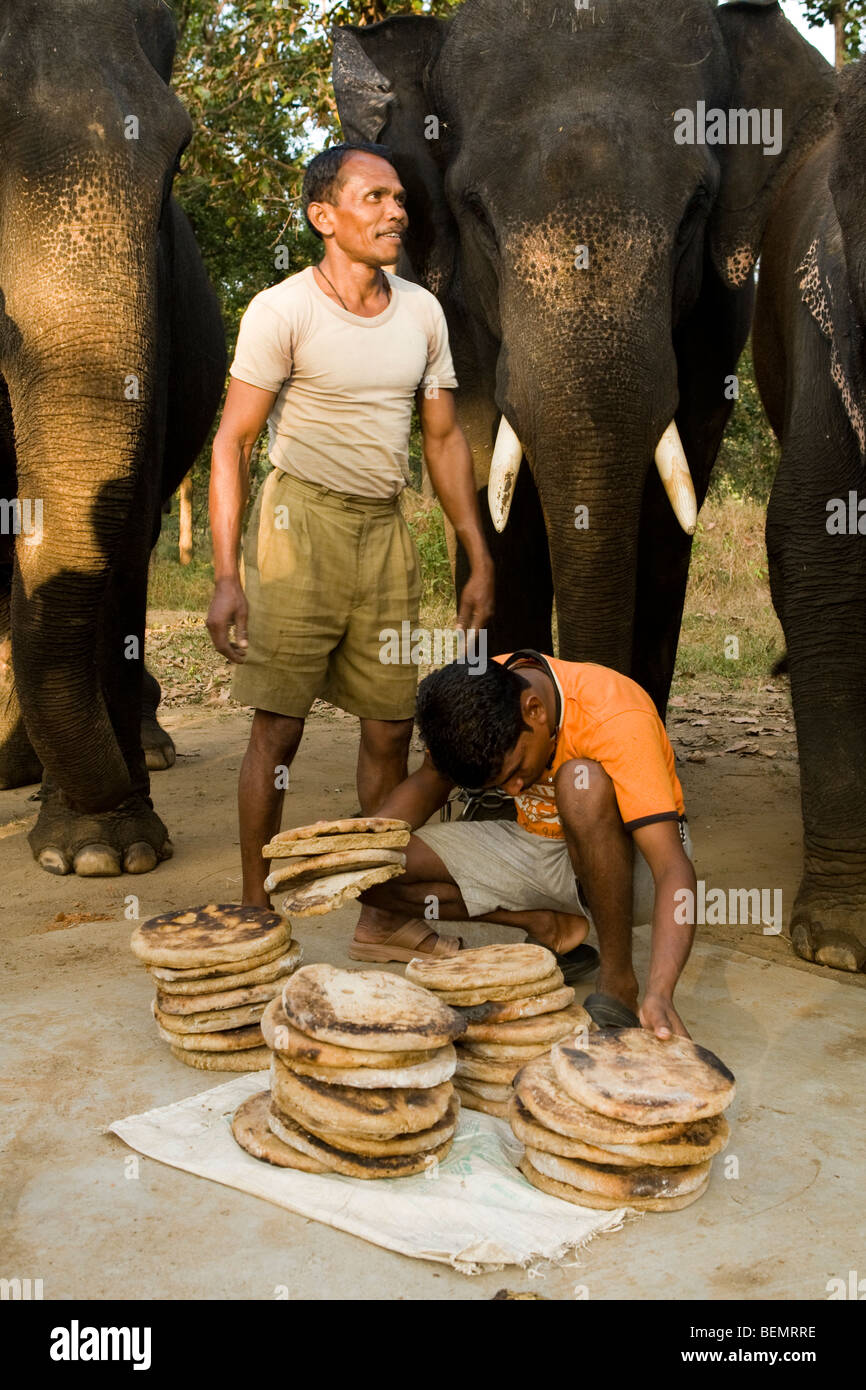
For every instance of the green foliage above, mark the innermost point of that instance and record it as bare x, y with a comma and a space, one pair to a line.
749, 455
819, 12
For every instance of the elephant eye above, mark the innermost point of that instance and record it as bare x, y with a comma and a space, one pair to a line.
474, 204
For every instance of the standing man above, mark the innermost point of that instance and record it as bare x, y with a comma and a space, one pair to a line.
332, 358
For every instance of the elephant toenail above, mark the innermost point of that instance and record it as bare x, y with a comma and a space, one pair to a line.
97, 861
167, 850
54, 861
140, 858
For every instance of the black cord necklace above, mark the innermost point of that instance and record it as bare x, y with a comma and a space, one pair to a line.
385, 286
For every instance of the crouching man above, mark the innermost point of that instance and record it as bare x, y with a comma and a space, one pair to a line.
600, 837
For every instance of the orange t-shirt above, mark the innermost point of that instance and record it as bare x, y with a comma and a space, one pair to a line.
609, 718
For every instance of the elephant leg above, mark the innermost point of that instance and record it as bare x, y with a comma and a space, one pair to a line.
819, 591
158, 745
19, 765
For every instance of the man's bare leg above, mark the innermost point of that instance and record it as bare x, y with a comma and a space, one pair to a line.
602, 853
382, 760
274, 740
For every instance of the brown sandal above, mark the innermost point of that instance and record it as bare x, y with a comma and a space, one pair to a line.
404, 943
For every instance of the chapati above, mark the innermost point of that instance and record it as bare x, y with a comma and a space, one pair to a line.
499, 1108
354, 1165
595, 1200
335, 844
372, 1008
483, 1069
630, 1074
233, 1040
188, 1005
352, 1143
251, 1130
699, 1141
346, 826
250, 1059
439, 1068
546, 1028
505, 1052
380, 1114
323, 895
508, 1010
621, 1184
483, 966
488, 1090
283, 963
208, 936
321, 865
534, 1136
212, 1021
540, 1092
234, 967
463, 997
292, 1045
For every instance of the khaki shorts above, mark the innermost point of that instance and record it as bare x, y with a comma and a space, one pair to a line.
324, 573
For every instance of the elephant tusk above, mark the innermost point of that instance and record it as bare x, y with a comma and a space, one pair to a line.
673, 467
507, 453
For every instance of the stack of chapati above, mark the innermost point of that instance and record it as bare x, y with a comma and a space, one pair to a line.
622, 1118
360, 1077
515, 1007
216, 967
325, 864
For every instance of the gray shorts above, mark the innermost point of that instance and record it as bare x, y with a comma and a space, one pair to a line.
497, 863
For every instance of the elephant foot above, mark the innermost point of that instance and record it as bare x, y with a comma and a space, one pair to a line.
830, 932
131, 839
159, 749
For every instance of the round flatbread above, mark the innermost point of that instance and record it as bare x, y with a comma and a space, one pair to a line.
425, 1139
699, 1141
522, 1032
214, 1021
379, 1114
371, 1009
232, 1040
595, 1200
335, 844
298, 871
504, 1052
251, 1130
350, 825
464, 997
470, 1101
283, 964
250, 1059
292, 1045
540, 1092
534, 1136
188, 1005
323, 895
622, 1184
354, 1165
210, 935
483, 966
439, 1068
488, 1090
483, 1069
507, 1010
630, 1074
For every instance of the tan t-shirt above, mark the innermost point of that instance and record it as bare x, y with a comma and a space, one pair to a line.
346, 384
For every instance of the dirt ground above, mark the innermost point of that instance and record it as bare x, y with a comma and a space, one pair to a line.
82, 1052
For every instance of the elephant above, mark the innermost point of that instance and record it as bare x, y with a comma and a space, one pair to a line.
590, 224
112, 363
810, 364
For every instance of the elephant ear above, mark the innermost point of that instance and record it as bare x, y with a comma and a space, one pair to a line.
382, 75
156, 31
773, 69
848, 178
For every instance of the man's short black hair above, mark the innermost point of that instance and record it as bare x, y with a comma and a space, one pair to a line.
322, 179
470, 720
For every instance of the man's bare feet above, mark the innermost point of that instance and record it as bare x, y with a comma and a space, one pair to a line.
377, 928
560, 932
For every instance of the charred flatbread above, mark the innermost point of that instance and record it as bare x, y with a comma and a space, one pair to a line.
541, 1093
354, 1165
206, 936
283, 964
507, 1010
251, 1130
187, 1005
349, 825
335, 844
631, 1075
438, 1068
323, 895
233, 1040
380, 1114
620, 1184
534, 1136
424, 1140
214, 1021
483, 1069
699, 1141
464, 997
298, 871
545, 1028
595, 1200
504, 1052
367, 1008
482, 967
250, 1059
292, 1045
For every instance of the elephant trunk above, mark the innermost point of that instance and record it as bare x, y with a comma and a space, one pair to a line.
81, 378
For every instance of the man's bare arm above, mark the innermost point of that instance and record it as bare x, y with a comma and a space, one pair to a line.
244, 417
449, 464
672, 871
416, 798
